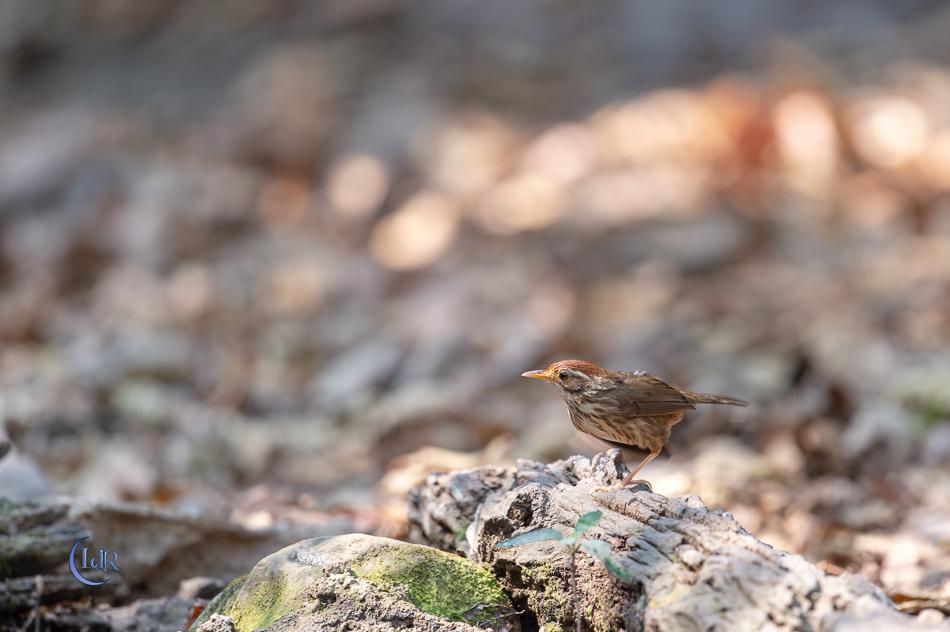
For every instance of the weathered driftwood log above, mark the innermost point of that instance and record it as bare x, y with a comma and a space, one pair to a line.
694, 569
32, 545
156, 550
24, 593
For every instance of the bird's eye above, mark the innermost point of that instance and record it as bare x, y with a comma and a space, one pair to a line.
563, 375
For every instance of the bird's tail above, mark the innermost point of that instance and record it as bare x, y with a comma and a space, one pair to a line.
707, 398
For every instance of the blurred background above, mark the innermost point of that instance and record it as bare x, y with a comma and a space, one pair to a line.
277, 261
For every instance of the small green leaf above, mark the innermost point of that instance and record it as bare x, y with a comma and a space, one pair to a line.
601, 550
615, 568
538, 535
597, 548
587, 521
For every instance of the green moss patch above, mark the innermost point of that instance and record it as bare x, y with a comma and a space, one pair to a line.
438, 583
252, 606
546, 595
264, 603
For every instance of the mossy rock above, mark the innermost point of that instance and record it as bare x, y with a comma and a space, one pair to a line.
365, 582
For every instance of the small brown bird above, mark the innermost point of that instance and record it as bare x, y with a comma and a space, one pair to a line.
623, 407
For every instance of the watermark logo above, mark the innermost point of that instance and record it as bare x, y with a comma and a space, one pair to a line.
103, 560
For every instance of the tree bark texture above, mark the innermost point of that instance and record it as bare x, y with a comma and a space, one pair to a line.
694, 568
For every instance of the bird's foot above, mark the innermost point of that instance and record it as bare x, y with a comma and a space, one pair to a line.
632, 485
639, 483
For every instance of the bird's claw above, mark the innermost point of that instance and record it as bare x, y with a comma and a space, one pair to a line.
632, 485
640, 482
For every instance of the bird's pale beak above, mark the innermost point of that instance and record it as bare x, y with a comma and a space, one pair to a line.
536, 375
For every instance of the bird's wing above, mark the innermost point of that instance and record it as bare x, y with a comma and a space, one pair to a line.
649, 395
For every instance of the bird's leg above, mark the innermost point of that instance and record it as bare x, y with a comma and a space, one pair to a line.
630, 479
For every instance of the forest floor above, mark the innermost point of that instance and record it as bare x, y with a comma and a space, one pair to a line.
276, 279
